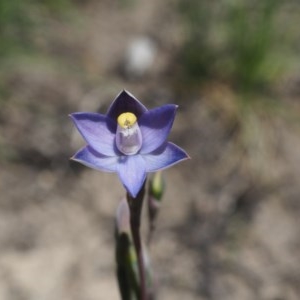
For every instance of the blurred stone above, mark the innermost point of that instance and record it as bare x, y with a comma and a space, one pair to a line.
139, 57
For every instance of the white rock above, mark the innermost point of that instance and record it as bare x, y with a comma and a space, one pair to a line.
139, 57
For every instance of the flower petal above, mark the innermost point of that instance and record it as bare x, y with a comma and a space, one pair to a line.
155, 126
131, 170
164, 157
125, 102
97, 130
90, 158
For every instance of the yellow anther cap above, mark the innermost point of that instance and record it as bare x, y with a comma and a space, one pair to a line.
126, 120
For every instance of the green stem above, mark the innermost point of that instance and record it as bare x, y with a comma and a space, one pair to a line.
135, 206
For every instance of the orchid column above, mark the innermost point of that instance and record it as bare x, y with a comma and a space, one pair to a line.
131, 141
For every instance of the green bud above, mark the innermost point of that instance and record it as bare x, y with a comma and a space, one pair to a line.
157, 186
126, 259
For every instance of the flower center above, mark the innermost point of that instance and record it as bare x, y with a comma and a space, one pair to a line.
128, 135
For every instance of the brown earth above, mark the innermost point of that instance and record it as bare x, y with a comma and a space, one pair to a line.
229, 223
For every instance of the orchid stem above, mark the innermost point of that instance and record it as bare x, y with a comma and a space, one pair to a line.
135, 205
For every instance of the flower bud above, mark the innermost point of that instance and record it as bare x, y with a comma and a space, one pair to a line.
123, 217
157, 186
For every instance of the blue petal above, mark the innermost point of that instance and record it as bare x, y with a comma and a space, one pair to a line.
97, 130
90, 158
131, 170
155, 126
165, 157
125, 102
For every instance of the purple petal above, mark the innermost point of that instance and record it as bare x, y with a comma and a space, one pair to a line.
131, 170
125, 102
90, 158
155, 126
97, 130
164, 157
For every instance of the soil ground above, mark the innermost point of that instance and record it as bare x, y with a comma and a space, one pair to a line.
229, 222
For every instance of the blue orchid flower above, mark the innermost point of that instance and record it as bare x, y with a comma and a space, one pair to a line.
129, 140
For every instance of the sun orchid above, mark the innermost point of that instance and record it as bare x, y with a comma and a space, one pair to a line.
129, 140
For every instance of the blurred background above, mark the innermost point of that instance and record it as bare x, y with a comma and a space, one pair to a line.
230, 219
